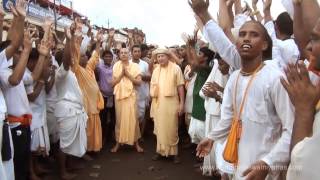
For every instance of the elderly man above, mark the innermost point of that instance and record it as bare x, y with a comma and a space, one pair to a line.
167, 92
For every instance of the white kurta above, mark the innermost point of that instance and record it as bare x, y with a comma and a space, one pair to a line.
305, 159
143, 91
267, 117
213, 110
189, 94
71, 115
267, 120
39, 130
284, 52
51, 100
196, 130
17, 105
6, 168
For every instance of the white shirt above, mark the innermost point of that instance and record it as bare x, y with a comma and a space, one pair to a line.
188, 105
52, 97
70, 99
38, 107
267, 117
16, 97
3, 65
305, 159
285, 51
210, 104
143, 89
226, 49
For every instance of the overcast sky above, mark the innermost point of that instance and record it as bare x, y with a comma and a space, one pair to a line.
163, 21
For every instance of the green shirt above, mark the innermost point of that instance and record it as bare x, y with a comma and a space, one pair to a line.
198, 110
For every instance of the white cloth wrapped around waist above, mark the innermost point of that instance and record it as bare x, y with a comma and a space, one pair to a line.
66, 108
73, 137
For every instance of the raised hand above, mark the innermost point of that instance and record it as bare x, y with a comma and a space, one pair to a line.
28, 39
2, 13
67, 33
199, 6
303, 94
130, 34
112, 32
99, 36
266, 4
78, 27
48, 22
21, 6
44, 48
247, 9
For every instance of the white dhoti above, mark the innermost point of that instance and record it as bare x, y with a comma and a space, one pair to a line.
52, 127
73, 137
222, 165
39, 130
196, 130
209, 163
141, 104
40, 140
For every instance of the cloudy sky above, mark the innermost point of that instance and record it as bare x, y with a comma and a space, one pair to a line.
163, 21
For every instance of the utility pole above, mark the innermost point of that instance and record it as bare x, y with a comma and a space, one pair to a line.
55, 15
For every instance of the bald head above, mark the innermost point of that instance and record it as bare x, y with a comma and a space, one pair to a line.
124, 54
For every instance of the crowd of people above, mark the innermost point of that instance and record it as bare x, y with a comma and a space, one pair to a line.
249, 98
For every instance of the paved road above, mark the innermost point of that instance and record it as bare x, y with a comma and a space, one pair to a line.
127, 164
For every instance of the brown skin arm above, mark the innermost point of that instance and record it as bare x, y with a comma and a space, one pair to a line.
94, 60
181, 99
303, 125
301, 38
311, 14
146, 78
49, 84
45, 74
226, 18
200, 8
19, 69
67, 56
306, 15
36, 74
110, 39
237, 7
255, 9
36, 91
304, 96
15, 33
267, 11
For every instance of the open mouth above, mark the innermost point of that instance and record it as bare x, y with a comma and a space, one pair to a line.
246, 46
